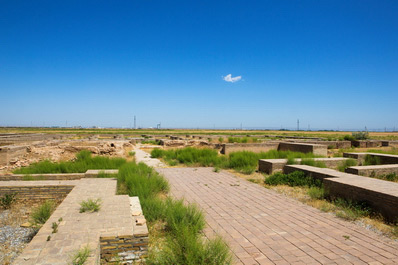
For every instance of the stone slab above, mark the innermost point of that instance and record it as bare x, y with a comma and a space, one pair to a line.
376, 170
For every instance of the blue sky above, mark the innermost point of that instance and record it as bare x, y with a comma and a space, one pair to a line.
331, 64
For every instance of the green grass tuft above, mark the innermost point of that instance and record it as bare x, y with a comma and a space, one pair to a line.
80, 256
90, 206
41, 214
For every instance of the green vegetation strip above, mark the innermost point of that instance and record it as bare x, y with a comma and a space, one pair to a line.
84, 161
243, 161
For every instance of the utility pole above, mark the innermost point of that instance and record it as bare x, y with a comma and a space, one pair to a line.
298, 125
135, 124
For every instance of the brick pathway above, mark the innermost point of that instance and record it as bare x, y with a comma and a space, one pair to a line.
77, 230
264, 227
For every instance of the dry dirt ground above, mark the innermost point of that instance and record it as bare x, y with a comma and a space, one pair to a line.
66, 150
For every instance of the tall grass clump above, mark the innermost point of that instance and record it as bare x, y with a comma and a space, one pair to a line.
196, 251
84, 161
371, 160
346, 164
296, 178
41, 214
312, 162
183, 223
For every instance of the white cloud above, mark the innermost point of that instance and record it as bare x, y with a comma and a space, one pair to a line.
229, 78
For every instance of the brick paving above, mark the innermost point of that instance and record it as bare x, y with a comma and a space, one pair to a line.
265, 227
77, 230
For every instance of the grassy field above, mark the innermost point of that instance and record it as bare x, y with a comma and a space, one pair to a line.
321, 134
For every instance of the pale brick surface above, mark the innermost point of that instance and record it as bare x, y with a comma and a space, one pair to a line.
264, 227
76, 229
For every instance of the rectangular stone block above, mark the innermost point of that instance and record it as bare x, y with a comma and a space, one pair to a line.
316, 149
373, 171
252, 147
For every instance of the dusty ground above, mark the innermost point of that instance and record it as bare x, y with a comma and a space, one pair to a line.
66, 150
13, 237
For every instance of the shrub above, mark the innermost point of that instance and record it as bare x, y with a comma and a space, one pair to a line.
360, 135
220, 139
41, 214
90, 205
349, 138
157, 153
131, 153
7, 200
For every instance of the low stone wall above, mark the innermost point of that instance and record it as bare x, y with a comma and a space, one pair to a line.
385, 159
10, 152
67, 176
34, 193
316, 149
91, 173
270, 166
123, 248
333, 144
367, 143
373, 171
381, 195
252, 147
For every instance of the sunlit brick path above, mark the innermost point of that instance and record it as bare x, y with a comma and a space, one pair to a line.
264, 227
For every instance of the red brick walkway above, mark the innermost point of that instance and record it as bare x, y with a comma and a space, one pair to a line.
264, 227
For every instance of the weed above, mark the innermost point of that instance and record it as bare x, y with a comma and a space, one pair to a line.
216, 169
80, 256
346, 237
220, 139
41, 214
346, 164
48, 238
7, 200
90, 205
131, 153
54, 226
